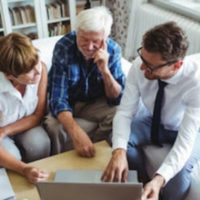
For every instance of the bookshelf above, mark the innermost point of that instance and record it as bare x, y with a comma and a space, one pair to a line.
58, 16
80, 4
22, 16
40, 18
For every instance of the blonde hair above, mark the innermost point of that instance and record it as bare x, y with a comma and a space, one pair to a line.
18, 55
95, 19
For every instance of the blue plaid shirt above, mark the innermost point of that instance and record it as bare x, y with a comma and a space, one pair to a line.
68, 80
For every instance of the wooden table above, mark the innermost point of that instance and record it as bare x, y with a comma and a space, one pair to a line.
67, 160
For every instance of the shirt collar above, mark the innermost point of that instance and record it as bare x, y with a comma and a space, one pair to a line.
78, 54
6, 86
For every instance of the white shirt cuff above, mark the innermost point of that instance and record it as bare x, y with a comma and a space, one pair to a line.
166, 172
119, 143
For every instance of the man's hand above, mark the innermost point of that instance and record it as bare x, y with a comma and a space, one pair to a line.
152, 189
101, 58
34, 175
117, 169
83, 145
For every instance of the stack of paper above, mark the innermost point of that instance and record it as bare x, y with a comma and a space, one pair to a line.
6, 191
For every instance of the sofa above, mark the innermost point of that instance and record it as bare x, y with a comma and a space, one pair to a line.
154, 157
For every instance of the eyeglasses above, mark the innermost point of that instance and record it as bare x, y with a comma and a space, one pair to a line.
153, 68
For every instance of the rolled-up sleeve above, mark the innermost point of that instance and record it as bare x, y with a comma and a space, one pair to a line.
58, 82
116, 71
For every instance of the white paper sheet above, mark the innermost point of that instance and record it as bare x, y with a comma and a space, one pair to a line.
6, 191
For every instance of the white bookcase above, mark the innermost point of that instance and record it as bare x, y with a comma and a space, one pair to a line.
14, 21
67, 19
40, 22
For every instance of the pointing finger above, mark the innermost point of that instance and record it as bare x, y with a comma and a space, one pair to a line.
104, 45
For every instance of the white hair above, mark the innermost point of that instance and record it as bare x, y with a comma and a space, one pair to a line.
95, 19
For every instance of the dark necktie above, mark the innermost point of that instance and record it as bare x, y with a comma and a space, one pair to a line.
157, 114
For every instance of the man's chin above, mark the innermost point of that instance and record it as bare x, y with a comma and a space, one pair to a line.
149, 76
88, 57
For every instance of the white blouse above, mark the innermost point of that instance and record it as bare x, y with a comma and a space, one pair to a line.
12, 105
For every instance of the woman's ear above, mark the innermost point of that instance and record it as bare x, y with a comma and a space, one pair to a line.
9, 77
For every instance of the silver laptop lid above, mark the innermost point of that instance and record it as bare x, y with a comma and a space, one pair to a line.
89, 191
69, 189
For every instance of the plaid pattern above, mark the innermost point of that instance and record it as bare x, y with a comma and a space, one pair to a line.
69, 81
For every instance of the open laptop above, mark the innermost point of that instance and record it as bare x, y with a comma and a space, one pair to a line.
87, 185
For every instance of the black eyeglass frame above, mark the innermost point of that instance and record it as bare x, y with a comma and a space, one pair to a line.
156, 67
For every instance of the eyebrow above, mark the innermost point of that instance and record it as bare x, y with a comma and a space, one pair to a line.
146, 61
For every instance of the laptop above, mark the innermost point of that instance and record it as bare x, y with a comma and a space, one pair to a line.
87, 185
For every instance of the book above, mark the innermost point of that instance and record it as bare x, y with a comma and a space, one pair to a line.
64, 9
55, 10
23, 15
26, 10
79, 7
11, 12
32, 14
58, 10
17, 16
48, 11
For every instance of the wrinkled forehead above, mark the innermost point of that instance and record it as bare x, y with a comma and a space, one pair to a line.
89, 34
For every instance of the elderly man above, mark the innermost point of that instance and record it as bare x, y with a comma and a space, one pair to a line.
85, 81
161, 104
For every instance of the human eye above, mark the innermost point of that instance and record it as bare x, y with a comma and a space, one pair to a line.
84, 39
146, 63
96, 42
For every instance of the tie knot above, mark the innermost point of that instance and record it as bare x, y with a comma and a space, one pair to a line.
161, 84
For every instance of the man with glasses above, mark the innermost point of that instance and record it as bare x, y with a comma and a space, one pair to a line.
161, 104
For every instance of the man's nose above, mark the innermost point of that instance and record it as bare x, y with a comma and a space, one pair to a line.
90, 46
143, 67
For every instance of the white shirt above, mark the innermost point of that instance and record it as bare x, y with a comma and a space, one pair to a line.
180, 111
12, 105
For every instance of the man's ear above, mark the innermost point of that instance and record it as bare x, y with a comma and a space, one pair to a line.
177, 65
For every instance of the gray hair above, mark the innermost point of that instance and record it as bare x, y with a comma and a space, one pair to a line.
95, 19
